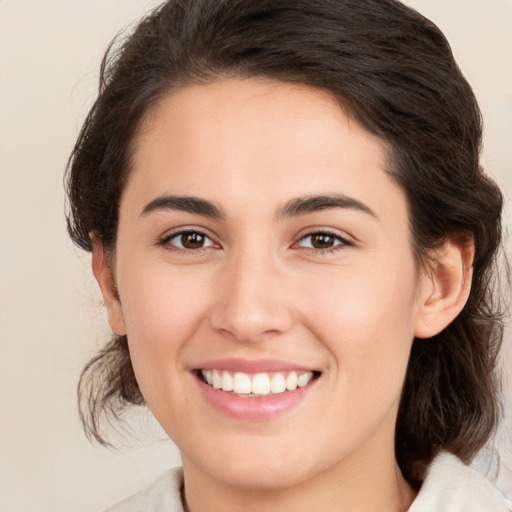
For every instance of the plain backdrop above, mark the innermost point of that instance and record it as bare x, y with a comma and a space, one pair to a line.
50, 318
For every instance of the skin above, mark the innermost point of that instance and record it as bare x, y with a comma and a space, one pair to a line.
258, 288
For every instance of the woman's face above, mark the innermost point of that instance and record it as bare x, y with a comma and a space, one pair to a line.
260, 241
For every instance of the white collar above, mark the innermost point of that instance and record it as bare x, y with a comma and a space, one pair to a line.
451, 486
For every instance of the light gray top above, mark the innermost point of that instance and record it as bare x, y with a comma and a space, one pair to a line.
450, 486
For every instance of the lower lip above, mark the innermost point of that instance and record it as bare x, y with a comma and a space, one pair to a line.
259, 408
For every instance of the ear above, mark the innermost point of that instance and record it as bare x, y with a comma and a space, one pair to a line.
446, 286
105, 277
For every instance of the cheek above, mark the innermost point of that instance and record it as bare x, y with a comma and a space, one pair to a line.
162, 311
365, 318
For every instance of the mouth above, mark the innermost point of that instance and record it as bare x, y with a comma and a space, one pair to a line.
262, 384
257, 390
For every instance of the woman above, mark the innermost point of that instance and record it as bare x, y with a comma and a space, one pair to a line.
296, 247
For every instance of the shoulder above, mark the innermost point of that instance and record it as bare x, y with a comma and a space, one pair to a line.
452, 486
164, 495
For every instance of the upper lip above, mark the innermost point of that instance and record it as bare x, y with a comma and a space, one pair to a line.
252, 366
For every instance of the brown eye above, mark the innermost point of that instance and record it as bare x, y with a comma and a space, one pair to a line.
322, 241
192, 240
188, 240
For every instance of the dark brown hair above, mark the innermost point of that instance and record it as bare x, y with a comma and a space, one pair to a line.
394, 71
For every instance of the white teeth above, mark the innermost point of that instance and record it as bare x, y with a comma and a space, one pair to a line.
216, 380
242, 384
261, 384
291, 381
227, 381
278, 383
304, 379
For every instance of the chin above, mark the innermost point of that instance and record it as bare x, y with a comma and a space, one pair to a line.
261, 463
260, 475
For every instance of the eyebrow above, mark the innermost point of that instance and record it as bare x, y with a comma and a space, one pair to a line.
294, 208
315, 203
188, 204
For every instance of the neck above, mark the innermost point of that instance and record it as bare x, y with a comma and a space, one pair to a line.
366, 483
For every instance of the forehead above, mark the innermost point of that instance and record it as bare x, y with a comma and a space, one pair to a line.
235, 140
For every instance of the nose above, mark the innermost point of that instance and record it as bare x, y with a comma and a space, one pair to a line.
252, 303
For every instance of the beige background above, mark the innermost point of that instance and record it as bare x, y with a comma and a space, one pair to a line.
50, 319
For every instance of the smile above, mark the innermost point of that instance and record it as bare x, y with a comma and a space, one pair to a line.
256, 384
256, 391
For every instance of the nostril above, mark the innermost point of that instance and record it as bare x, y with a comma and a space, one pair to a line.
251, 324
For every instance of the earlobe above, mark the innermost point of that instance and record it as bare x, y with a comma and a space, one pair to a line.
445, 288
105, 278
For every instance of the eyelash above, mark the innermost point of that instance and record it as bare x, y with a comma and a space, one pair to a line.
340, 241
165, 241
